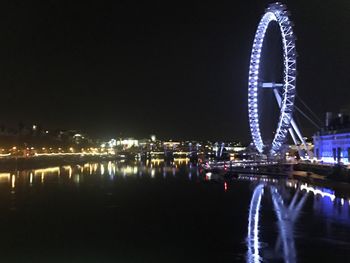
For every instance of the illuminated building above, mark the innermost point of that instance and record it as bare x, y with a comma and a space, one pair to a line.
332, 144
127, 143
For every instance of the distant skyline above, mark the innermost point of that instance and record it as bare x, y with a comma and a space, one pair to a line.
175, 69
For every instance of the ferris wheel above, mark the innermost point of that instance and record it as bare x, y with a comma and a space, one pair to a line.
284, 92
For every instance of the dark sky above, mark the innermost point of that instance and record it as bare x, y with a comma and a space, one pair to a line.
176, 69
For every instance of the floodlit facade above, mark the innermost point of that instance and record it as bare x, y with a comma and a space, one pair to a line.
332, 144
128, 143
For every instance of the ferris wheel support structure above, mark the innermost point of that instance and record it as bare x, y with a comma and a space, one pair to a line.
294, 131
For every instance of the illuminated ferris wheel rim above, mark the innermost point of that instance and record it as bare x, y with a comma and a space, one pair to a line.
275, 12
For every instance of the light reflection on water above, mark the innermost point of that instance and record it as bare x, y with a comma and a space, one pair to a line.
253, 242
324, 202
103, 169
288, 197
287, 212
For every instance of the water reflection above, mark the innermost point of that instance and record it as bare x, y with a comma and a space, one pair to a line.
5, 177
286, 197
30, 178
13, 181
287, 213
253, 243
107, 170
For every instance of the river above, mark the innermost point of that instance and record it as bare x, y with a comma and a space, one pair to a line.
157, 212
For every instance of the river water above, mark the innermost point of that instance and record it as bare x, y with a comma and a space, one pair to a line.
157, 212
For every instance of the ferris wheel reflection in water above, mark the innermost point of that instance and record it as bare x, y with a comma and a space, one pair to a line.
286, 215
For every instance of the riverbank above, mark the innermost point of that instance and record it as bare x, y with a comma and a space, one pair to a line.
324, 176
337, 173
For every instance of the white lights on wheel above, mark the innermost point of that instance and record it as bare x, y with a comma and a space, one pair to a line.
275, 12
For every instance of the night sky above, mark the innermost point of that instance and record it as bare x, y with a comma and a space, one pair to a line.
175, 69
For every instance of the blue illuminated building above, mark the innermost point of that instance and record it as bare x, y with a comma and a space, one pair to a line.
332, 143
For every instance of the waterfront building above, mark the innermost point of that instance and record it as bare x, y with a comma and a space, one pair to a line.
332, 143
127, 143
